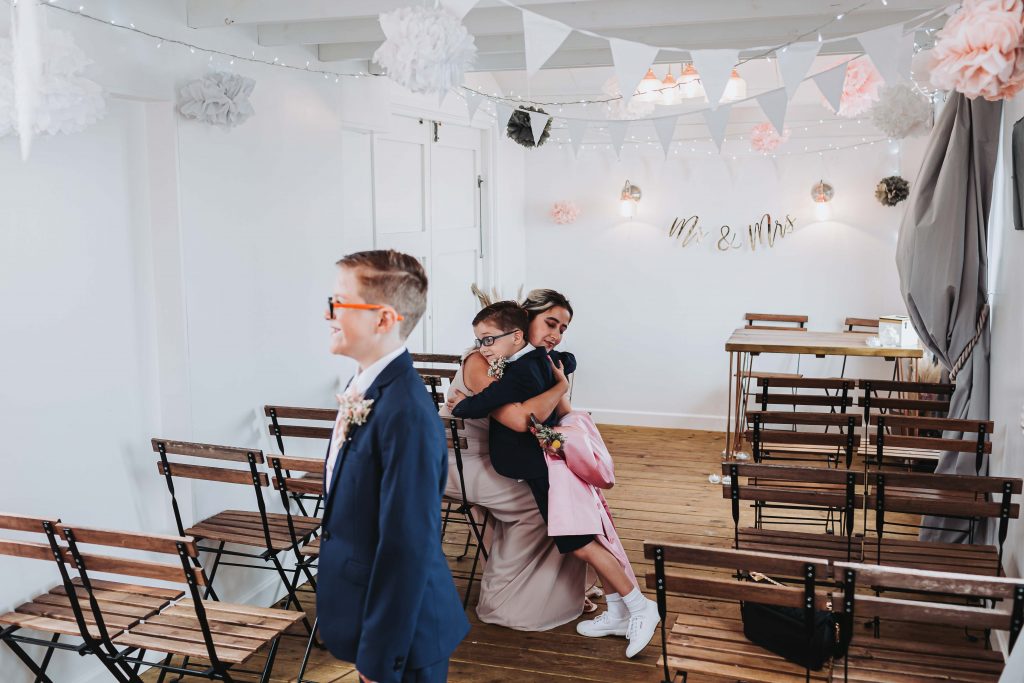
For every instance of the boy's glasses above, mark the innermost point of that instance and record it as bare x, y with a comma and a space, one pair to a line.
332, 304
490, 339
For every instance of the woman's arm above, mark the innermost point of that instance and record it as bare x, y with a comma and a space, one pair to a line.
515, 416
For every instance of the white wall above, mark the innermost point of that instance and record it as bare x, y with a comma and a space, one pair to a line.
652, 317
162, 278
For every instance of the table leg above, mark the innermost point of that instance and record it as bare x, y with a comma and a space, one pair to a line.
726, 453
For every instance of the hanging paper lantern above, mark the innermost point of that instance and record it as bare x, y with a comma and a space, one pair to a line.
980, 50
520, 130
426, 49
564, 213
764, 138
900, 111
67, 102
860, 89
892, 190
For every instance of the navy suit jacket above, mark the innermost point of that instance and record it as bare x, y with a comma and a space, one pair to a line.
385, 596
517, 454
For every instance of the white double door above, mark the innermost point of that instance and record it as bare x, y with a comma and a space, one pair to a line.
427, 202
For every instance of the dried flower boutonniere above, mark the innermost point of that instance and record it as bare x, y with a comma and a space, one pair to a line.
354, 410
551, 441
497, 367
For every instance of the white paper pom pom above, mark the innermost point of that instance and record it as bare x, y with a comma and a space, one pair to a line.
68, 102
900, 111
426, 50
218, 98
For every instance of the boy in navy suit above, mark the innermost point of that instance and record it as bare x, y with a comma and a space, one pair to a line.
386, 600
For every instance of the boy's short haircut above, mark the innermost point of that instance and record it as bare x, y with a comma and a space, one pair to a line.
505, 315
390, 277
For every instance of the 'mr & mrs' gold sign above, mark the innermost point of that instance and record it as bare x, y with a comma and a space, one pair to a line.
765, 232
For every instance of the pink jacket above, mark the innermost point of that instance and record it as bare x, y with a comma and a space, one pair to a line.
574, 506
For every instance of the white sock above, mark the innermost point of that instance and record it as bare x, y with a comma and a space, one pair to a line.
635, 602
616, 608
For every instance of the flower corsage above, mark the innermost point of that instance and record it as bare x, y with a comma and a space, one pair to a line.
354, 410
551, 441
496, 367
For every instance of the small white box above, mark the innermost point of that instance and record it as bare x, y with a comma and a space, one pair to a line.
896, 331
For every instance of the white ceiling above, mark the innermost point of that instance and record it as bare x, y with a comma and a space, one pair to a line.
346, 32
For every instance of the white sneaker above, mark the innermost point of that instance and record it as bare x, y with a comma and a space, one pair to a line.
603, 625
641, 629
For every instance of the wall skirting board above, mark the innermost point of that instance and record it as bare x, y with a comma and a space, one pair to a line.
713, 423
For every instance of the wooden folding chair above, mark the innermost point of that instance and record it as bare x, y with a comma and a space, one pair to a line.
854, 324
458, 443
955, 496
269, 535
775, 321
58, 614
219, 635
916, 443
887, 660
815, 491
294, 422
715, 646
437, 371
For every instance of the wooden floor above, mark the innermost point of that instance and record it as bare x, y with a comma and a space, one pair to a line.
662, 491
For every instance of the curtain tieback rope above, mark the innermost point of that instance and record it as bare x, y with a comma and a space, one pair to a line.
966, 353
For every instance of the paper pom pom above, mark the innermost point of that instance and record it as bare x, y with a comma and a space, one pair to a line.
764, 138
900, 111
427, 49
617, 110
860, 89
68, 102
979, 51
892, 190
218, 98
564, 213
520, 130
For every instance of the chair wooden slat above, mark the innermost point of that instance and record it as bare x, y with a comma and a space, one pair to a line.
861, 322
313, 487
931, 581
157, 543
947, 482
832, 384
294, 464
436, 358
775, 417
921, 404
803, 400
906, 387
809, 438
956, 507
301, 431
731, 589
814, 475
211, 473
727, 558
870, 606
946, 424
205, 450
298, 413
30, 550
933, 443
14, 522
775, 318
159, 571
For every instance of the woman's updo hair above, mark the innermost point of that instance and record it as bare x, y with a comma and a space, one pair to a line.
540, 300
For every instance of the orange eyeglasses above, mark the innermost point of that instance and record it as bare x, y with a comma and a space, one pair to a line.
332, 304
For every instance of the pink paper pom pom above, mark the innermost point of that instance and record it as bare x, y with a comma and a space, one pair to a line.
764, 137
860, 89
979, 51
564, 213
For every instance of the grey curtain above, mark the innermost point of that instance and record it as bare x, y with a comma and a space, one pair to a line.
942, 259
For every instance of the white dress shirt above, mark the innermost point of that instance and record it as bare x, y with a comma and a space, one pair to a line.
358, 386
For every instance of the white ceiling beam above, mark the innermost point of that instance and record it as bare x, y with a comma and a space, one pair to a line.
735, 33
220, 13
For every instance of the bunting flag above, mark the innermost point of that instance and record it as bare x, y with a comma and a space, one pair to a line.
632, 60
714, 67
537, 122
665, 128
542, 38
459, 8
473, 102
503, 114
617, 133
717, 120
889, 51
773, 104
830, 83
794, 61
577, 129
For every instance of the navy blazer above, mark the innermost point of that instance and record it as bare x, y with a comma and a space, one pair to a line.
385, 596
517, 454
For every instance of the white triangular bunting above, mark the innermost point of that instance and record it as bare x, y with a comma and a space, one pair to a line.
538, 120
503, 114
617, 133
773, 104
665, 128
459, 8
830, 83
473, 102
717, 120
577, 129
714, 67
542, 38
632, 60
794, 61
883, 47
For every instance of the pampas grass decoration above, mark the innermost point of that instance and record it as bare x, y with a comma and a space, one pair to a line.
520, 130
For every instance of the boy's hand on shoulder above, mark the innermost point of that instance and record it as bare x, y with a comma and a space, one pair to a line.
455, 399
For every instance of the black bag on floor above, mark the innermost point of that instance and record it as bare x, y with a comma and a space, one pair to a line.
783, 630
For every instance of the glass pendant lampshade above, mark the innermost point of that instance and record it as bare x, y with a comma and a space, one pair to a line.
690, 86
670, 93
647, 90
735, 89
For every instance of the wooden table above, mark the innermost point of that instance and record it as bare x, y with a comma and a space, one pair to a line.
745, 343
